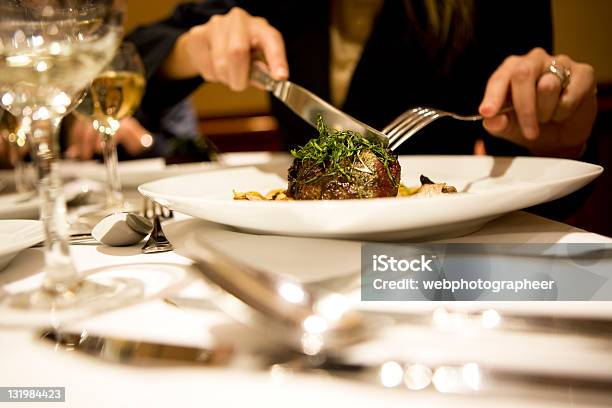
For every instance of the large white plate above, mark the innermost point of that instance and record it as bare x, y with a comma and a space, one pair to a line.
17, 235
489, 186
136, 172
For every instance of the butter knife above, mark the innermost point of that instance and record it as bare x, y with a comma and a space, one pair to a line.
135, 352
309, 106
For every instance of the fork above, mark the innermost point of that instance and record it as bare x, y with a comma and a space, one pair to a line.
413, 120
157, 241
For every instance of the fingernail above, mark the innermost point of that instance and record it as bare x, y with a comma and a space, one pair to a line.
280, 72
485, 109
530, 132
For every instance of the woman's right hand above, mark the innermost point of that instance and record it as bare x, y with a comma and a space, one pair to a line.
221, 49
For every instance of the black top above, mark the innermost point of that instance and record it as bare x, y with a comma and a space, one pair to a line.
394, 73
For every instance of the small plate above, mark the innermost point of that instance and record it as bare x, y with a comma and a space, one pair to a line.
488, 188
136, 172
17, 235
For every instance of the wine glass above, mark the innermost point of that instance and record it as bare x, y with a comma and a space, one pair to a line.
50, 51
114, 94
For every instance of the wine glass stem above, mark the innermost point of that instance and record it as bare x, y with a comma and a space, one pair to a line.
60, 275
20, 169
114, 197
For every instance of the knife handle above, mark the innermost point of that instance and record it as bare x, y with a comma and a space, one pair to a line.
260, 76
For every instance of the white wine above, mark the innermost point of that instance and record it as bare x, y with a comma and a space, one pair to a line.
116, 94
51, 75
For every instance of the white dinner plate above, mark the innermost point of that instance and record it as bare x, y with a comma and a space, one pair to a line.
136, 172
17, 235
488, 187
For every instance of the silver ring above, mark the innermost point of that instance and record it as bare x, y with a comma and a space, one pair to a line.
561, 72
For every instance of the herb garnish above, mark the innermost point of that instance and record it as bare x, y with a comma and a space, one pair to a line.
338, 152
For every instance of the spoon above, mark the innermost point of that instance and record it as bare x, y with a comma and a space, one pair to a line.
305, 320
121, 229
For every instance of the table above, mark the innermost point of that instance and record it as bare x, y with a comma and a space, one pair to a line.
89, 382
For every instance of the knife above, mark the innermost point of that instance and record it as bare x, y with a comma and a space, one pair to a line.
135, 352
452, 379
309, 106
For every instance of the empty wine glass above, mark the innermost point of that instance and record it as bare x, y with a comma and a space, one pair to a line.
50, 51
114, 94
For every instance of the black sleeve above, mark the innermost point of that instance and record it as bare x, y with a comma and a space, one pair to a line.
155, 42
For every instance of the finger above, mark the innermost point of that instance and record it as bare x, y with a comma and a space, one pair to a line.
496, 92
548, 92
86, 142
72, 152
498, 125
131, 135
200, 51
523, 87
238, 53
581, 86
218, 37
270, 41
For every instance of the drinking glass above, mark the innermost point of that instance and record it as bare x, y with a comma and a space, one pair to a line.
50, 51
114, 94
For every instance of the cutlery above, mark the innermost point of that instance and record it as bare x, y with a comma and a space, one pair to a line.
453, 378
455, 320
305, 321
309, 106
467, 378
253, 296
136, 352
157, 241
413, 120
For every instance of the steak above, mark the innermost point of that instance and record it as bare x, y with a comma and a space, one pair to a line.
363, 175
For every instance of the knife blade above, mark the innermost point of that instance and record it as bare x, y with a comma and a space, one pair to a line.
136, 352
309, 106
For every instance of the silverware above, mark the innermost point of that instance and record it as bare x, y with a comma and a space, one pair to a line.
413, 120
136, 352
452, 379
309, 106
457, 378
473, 321
305, 321
75, 239
157, 241
253, 296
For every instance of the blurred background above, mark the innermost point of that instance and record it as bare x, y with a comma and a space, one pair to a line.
583, 30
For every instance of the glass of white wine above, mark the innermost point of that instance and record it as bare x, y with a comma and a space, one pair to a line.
114, 94
50, 51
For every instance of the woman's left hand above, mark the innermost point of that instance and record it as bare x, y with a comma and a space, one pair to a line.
547, 119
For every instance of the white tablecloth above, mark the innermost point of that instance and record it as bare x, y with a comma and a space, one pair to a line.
89, 382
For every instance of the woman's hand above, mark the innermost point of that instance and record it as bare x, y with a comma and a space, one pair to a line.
220, 50
547, 119
85, 141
